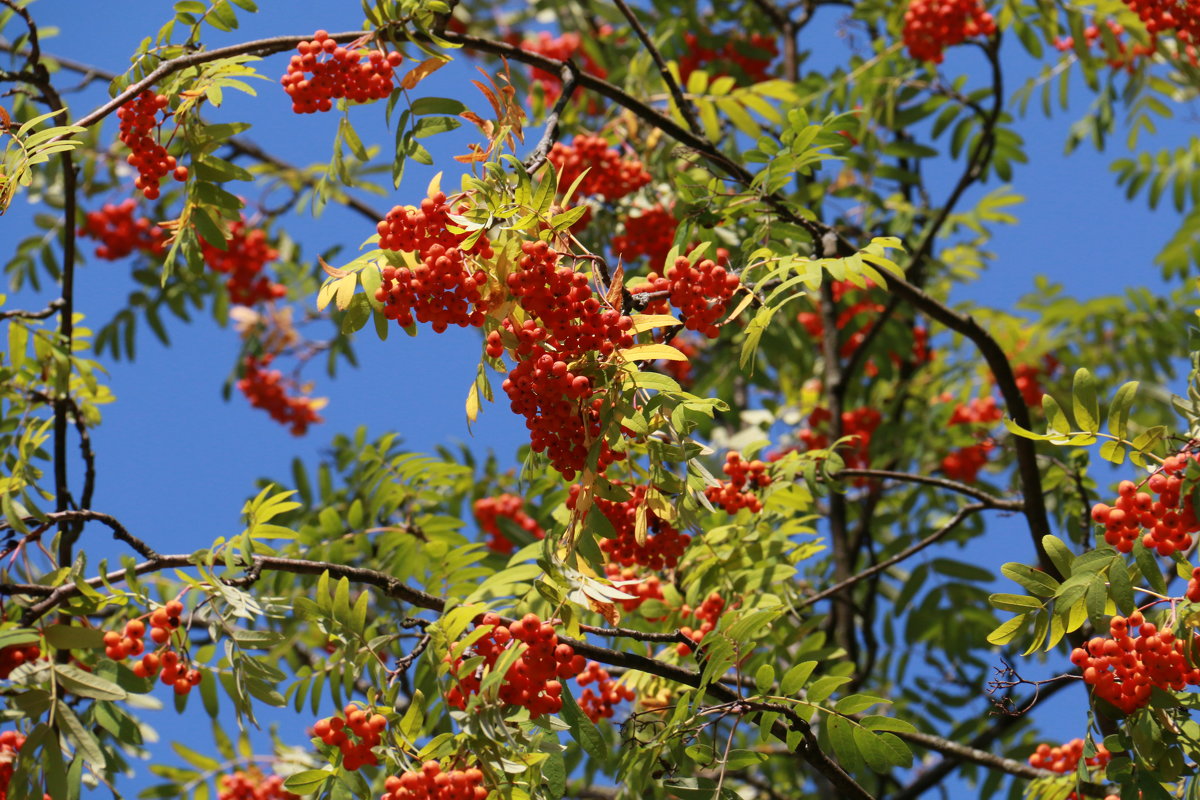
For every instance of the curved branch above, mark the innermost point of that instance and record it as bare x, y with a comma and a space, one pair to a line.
682, 103
84, 515
988, 500
907, 552
48, 311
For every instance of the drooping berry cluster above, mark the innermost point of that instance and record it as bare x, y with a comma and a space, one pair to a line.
610, 177
511, 506
445, 288
15, 655
701, 292
120, 234
708, 613
139, 123
533, 681
1125, 57
664, 545
269, 390
626, 579
567, 331
750, 55
859, 423
1169, 520
130, 642
1123, 668
251, 784
246, 253
599, 703
651, 234
354, 734
1193, 587
930, 26
732, 495
1065, 758
11, 743
323, 72
1028, 379
1182, 17
431, 783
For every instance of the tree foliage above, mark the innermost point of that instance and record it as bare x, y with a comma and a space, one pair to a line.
715, 284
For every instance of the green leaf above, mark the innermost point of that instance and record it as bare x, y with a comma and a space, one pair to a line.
1083, 401
437, 105
1033, 580
582, 729
795, 678
1118, 409
87, 684
80, 736
764, 679
1007, 631
855, 703
1149, 567
1060, 555
1015, 602
1056, 418
308, 781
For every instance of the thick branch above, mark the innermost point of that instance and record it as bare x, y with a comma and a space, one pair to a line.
84, 515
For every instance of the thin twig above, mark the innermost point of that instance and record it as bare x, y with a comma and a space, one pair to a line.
682, 103
48, 311
570, 82
989, 500
907, 552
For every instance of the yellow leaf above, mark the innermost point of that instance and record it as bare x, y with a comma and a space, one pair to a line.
473, 403
345, 290
435, 185
325, 295
644, 322
421, 71
652, 352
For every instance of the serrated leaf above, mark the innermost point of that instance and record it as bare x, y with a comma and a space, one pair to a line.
1060, 555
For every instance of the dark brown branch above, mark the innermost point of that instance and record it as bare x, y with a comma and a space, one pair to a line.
682, 103
570, 80
989, 500
907, 552
394, 588
84, 515
48, 311
961, 752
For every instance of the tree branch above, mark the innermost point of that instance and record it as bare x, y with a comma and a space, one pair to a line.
988, 500
682, 103
48, 311
907, 552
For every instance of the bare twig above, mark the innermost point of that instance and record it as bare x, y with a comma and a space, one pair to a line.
989, 500
570, 81
681, 102
48, 311
907, 552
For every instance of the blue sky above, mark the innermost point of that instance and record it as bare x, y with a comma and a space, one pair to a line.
171, 455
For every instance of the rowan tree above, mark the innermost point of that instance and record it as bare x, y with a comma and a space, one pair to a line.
715, 285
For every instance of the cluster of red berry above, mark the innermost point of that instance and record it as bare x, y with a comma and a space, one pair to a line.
444, 289
750, 55
930, 26
1169, 519
533, 679
431, 783
708, 613
650, 234
11, 743
1126, 56
1193, 587
610, 177
976, 411
561, 48
701, 292
246, 253
139, 121
120, 234
567, 325
964, 464
1123, 668
859, 423
648, 588
599, 703
15, 655
130, 642
510, 506
1028, 379
663, 545
267, 389
1165, 16
367, 730
731, 494
251, 784
1066, 758
336, 72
